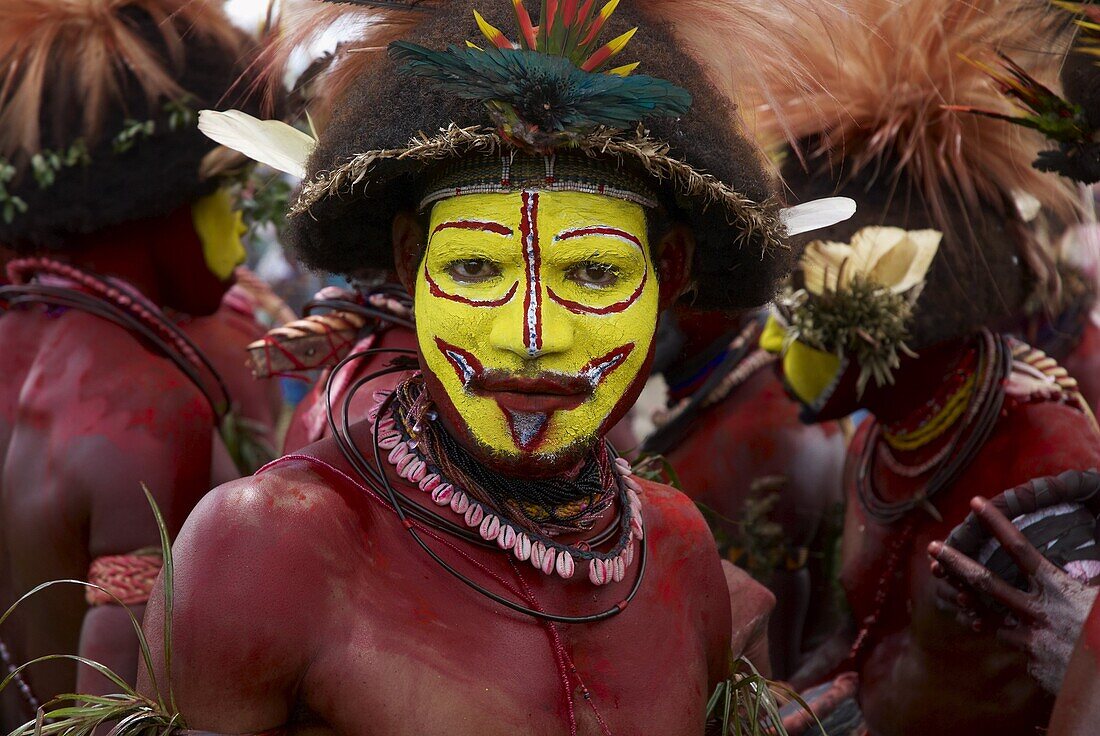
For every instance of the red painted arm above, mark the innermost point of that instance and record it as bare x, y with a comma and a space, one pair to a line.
171, 455
249, 604
751, 605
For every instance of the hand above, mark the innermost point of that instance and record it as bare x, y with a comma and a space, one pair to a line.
265, 298
1044, 622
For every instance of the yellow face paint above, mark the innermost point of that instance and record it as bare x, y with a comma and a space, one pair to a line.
220, 229
535, 316
809, 372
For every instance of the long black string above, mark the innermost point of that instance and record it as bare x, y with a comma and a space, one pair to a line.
72, 299
406, 510
360, 309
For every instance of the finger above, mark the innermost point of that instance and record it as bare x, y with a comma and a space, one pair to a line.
967, 601
982, 580
1022, 552
1017, 637
946, 596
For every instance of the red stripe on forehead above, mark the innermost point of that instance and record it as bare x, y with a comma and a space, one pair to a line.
532, 258
477, 225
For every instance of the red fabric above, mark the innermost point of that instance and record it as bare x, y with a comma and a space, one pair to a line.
129, 577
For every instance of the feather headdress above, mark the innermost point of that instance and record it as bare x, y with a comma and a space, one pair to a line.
60, 56
888, 70
365, 29
336, 43
750, 72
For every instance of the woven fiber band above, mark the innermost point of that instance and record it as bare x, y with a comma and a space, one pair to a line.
514, 172
650, 155
128, 579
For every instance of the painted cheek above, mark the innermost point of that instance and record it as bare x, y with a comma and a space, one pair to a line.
809, 372
773, 336
467, 329
603, 337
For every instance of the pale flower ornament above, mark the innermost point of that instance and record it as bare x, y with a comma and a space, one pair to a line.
271, 142
888, 257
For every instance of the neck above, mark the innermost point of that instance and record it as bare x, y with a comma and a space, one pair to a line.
701, 330
706, 336
160, 256
916, 381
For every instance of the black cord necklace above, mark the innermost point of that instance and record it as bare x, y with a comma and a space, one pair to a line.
408, 511
994, 365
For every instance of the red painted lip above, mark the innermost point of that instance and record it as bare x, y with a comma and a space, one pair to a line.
533, 395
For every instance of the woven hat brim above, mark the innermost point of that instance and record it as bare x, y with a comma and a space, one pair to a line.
700, 189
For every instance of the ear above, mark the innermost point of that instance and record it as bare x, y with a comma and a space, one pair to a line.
408, 245
674, 260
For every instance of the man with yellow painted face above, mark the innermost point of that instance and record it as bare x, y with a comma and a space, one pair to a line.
896, 313
536, 319
474, 557
121, 355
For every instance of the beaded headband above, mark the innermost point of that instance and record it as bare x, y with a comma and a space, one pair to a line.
515, 172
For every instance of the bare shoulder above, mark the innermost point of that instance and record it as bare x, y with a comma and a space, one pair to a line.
674, 523
1043, 438
667, 511
79, 350
257, 569
281, 516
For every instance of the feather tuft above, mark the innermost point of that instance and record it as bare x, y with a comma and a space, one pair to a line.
893, 78
754, 69
363, 31
271, 142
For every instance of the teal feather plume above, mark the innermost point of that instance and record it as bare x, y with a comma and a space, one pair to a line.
545, 91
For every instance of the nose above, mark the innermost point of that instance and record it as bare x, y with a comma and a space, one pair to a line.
524, 328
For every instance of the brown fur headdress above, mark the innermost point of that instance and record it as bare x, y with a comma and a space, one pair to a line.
387, 129
879, 130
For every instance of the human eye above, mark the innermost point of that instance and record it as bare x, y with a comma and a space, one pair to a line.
473, 270
594, 275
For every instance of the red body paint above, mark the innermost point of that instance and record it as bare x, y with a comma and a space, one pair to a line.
923, 672
1077, 711
751, 438
87, 414
315, 571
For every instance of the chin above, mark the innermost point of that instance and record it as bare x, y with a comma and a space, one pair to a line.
534, 464
839, 400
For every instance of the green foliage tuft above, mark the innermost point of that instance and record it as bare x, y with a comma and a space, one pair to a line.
747, 704
128, 713
865, 322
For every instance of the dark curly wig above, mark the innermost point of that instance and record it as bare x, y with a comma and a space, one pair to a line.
976, 280
382, 109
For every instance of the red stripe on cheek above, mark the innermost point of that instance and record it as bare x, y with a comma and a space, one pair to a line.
532, 258
437, 291
577, 307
